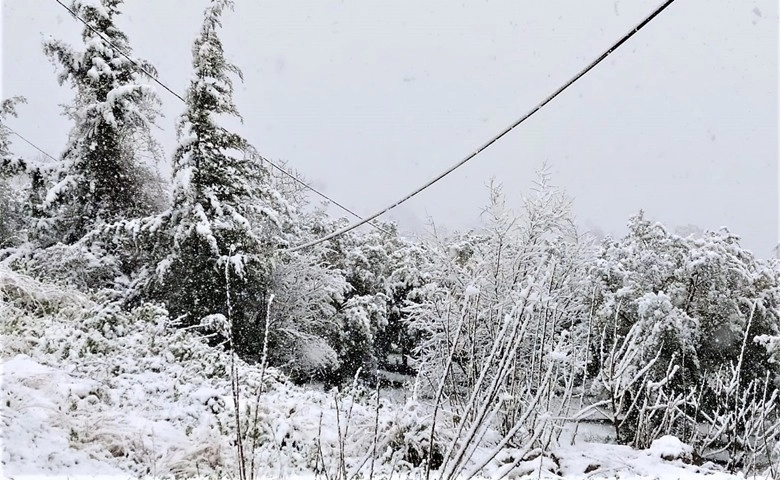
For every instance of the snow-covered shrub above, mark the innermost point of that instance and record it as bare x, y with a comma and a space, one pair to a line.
85, 266
740, 426
407, 443
496, 321
669, 447
338, 305
381, 270
155, 401
530, 267
13, 211
303, 315
27, 297
629, 392
686, 305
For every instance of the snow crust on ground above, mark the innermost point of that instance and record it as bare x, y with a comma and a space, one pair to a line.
670, 447
88, 390
618, 461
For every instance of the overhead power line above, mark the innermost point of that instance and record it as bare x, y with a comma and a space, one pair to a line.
493, 140
285, 172
42, 151
28, 142
172, 92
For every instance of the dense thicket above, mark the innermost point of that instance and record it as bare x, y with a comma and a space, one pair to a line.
696, 305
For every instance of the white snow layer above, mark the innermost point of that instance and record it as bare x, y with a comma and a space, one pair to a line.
155, 401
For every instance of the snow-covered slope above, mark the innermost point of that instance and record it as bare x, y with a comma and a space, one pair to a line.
91, 390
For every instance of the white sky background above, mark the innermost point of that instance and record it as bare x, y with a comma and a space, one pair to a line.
371, 99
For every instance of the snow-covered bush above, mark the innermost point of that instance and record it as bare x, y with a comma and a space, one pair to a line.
407, 443
531, 267
13, 211
128, 389
496, 323
85, 266
339, 305
671, 313
381, 271
740, 426
669, 447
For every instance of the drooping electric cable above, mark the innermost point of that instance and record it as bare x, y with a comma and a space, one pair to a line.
493, 140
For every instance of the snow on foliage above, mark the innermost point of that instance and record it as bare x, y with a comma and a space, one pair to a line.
685, 329
145, 399
153, 338
14, 189
217, 240
101, 177
148, 399
669, 447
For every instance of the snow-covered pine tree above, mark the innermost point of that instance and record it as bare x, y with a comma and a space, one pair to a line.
101, 177
215, 245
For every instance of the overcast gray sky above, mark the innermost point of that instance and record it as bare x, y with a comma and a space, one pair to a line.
370, 99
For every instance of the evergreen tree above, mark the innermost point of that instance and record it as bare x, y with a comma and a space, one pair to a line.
11, 202
215, 244
100, 177
7, 108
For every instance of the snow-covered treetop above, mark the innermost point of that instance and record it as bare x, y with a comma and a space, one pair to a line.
218, 176
101, 175
102, 65
212, 87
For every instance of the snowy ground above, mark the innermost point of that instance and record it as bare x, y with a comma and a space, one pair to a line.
92, 391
